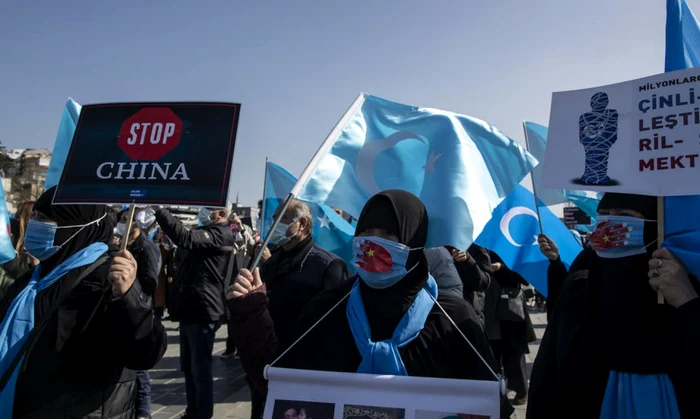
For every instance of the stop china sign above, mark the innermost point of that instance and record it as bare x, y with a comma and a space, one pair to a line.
150, 134
155, 153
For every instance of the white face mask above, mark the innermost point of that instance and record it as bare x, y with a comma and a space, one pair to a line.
279, 235
121, 229
205, 216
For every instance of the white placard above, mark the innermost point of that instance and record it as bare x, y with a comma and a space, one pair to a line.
303, 394
640, 136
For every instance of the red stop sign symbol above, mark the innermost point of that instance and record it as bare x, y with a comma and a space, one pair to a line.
150, 134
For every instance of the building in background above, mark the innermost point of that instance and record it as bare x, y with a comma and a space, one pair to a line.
23, 173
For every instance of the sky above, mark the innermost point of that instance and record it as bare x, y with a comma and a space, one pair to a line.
296, 66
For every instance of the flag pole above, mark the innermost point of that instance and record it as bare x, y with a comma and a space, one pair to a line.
262, 208
328, 143
129, 223
306, 174
532, 178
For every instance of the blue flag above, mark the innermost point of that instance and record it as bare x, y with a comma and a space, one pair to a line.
537, 144
331, 231
682, 51
7, 251
66, 129
512, 234
459, 166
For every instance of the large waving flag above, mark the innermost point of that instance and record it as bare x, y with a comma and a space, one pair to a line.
7, 251
66, 129
681, 219
536, 136
459, 166
512, 234
331, 231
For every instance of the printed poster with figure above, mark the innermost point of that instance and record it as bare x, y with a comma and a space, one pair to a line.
640, 136
305, 394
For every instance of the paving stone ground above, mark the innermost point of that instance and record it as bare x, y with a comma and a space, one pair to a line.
231, 396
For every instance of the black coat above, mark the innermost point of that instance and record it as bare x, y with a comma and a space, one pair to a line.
475, 273
295, 277
82, 364
149, 260
439, 350
572, 364
198, 290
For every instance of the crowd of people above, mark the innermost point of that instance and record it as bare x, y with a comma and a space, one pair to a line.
82, 305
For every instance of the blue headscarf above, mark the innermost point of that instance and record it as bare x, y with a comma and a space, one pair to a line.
19, 320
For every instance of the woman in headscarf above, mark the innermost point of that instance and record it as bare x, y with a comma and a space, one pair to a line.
72, 331
393, 277
611, 351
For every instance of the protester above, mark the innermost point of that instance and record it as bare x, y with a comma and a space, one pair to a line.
474, 268
148, 259
442, 267
198, 299
393, 224
611, 350
243, 245
509, 325
557, 271
294, 275
300, 269
160, 301
91, 323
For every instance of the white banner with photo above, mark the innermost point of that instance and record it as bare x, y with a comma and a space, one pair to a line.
304, 394
640, 136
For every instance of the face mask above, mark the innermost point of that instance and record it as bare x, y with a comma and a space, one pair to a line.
279, 235
39, 238
144, 219
381, 262
121, 229
205, 217
619, 237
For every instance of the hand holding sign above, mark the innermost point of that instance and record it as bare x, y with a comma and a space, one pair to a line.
122, 273
669, 278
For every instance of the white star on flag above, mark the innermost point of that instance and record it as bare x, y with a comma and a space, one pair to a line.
325, 221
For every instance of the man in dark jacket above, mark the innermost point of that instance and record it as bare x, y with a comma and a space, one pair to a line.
474, 268
198, 299
295, 273
148, 259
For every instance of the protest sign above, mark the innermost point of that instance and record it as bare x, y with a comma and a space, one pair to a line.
640, 136
151, 153
335, 395
576, 216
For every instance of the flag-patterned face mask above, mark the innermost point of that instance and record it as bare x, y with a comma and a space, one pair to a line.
381, 262
618, 237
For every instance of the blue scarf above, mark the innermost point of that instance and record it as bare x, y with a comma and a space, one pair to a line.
634, 396
383, 357
19, 320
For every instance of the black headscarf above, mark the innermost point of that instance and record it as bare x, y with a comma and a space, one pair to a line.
70, 215
641, 203
404, 215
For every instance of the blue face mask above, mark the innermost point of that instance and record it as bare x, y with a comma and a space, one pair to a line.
381, 263
39, 238
619, 236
